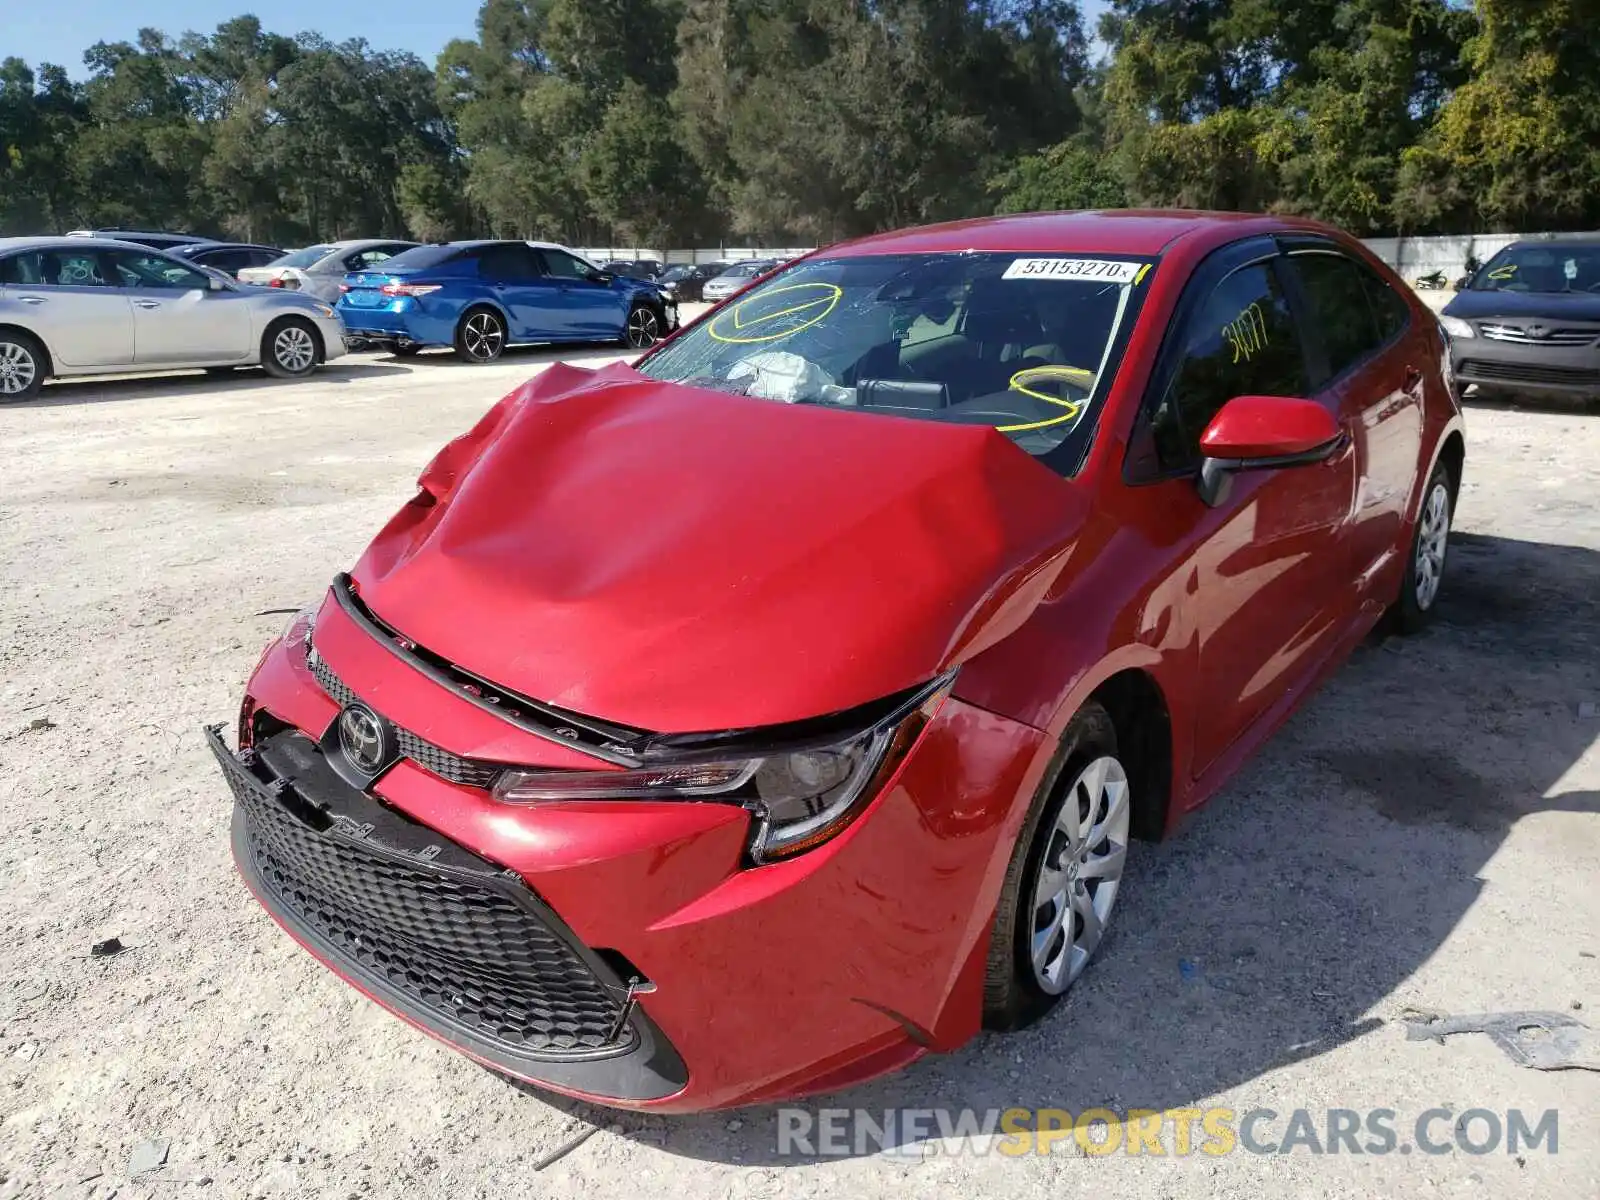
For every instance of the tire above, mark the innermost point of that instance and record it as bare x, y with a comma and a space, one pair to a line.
1057, 879
644, 327
1425, 563
480, 336
289, 348
23, 365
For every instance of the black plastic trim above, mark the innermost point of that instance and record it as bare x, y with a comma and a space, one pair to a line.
644, 1066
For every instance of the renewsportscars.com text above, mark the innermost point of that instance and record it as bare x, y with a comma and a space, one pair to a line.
1173, 1132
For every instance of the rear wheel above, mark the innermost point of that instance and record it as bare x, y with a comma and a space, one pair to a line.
1064, 876
22, 365
1430, 543
289, 348
644, 327
481, 336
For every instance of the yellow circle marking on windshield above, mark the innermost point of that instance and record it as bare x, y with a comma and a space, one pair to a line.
1031, 375
750, 315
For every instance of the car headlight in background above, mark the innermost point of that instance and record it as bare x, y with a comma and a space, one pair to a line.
1456, 327
798, 796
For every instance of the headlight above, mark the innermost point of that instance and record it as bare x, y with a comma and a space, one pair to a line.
798, 797
1456, 327
298, 631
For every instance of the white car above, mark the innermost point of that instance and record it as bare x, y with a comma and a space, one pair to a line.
93, 306
318, 270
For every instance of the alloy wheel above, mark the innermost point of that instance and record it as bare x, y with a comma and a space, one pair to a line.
17, 369
294, 350
483, 337
1433, 538
644, 328
1079, 874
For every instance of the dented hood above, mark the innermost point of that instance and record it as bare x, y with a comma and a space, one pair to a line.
682, 560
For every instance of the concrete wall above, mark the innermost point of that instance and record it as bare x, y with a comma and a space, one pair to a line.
1423, 255
700, 255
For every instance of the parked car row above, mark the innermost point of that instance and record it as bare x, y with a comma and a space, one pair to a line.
88, 306
82, 305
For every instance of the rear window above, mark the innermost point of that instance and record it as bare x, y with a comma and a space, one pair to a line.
304, 258
423, 257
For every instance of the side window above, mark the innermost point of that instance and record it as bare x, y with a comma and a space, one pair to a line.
363, 259
156, 271
1337, 296
508, 263
1242, 342
1392, 313
260, 258
226, 260
54, 268
563, 265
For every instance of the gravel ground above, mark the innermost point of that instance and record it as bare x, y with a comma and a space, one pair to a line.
1423, 834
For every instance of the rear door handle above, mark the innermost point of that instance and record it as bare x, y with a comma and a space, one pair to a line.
31, 299
147, 304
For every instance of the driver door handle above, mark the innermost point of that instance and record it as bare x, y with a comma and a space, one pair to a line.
31, 299
147, 304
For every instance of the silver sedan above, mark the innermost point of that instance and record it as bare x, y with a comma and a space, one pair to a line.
92, 306
319, 270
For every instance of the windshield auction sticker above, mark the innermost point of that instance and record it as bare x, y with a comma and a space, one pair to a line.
1095, 270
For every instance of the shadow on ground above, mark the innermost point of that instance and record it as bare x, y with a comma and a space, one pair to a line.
102, 389
1318, 881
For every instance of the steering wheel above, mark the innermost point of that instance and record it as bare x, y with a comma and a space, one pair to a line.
1030, 380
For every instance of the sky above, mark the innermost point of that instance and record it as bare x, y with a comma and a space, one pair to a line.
59, 31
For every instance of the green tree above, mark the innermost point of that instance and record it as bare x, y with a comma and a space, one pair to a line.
1517, 146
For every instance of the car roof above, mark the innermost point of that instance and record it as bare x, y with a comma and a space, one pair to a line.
1116, 231
69, 243
185, 238
207, 247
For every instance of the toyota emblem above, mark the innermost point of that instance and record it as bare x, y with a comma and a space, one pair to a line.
366, 739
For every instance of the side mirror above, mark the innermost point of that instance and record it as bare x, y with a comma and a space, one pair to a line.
1255, 433
601, 276
215, 284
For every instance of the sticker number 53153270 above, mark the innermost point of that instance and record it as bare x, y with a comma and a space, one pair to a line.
1092, 270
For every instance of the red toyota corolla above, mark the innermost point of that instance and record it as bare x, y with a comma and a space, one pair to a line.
756, 719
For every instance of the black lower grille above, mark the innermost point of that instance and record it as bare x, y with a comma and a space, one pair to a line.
1514, 372
448, 935
440, 761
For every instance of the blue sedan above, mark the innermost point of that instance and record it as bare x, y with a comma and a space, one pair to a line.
480, 297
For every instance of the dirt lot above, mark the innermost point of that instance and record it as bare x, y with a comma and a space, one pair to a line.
1426, 833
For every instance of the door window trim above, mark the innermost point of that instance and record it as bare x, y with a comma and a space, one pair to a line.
1140, 464
1302, 245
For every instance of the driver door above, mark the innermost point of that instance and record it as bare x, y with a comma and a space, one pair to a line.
177, 318
1267, 573
585, 310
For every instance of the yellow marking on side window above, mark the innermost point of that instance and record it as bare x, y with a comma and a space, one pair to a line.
1247, 333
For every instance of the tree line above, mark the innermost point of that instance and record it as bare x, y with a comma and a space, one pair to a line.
657, 122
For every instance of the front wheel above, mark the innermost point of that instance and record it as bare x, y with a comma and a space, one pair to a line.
289, 349
644, 327
21, 366
1425, 564
481, 336
1064, 876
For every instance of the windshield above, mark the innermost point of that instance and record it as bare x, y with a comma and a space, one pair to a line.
674, 274
1025, 344
1552, 267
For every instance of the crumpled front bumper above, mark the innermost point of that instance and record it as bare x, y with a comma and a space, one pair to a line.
768, 982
